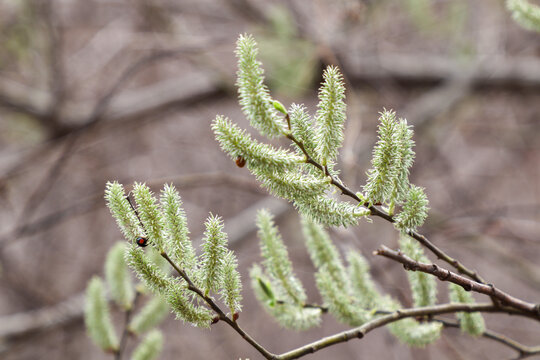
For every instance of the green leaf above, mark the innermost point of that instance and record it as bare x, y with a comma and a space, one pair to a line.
279, 107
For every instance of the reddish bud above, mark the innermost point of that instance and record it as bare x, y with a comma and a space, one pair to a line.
240, 161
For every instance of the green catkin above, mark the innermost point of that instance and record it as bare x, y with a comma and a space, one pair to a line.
330, 116
362, 284
153, 312
470, 323
215, 249
232, 285
349, 293
288, 314
237, 142
304, 130
179, 245
97, 316
525, 13
181, 303
118, 277
276, 259
423, 286
414, 211
254, 95
150, 347
148, 272
121, 211
413, 333
150, 215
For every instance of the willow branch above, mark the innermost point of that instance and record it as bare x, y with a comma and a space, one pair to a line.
215, 307
469, 285
356, 333
384, 215
523, 350
361, 331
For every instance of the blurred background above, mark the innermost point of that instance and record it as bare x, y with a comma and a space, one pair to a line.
99, 90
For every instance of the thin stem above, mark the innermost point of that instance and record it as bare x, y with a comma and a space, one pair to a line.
323, 309
523, 350
361, 331
215, 307
358, 332
125, 332
469, 285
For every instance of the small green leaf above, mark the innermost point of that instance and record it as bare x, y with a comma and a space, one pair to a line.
279, 107
267, 291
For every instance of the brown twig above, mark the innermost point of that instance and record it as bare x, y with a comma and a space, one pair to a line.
215, 307
504, 298
523, 350
356, 333
361, 331
125, 332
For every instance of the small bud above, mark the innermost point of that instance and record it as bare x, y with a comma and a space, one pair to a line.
240, 161
279, 107
215, 319
235, 316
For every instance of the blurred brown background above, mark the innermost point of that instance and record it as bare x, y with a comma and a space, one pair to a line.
100, 90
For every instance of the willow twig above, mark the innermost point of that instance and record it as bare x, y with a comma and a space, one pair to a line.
469, 285
523, 350
384, 215
215, 307
361, 331
356, 333
125, 332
